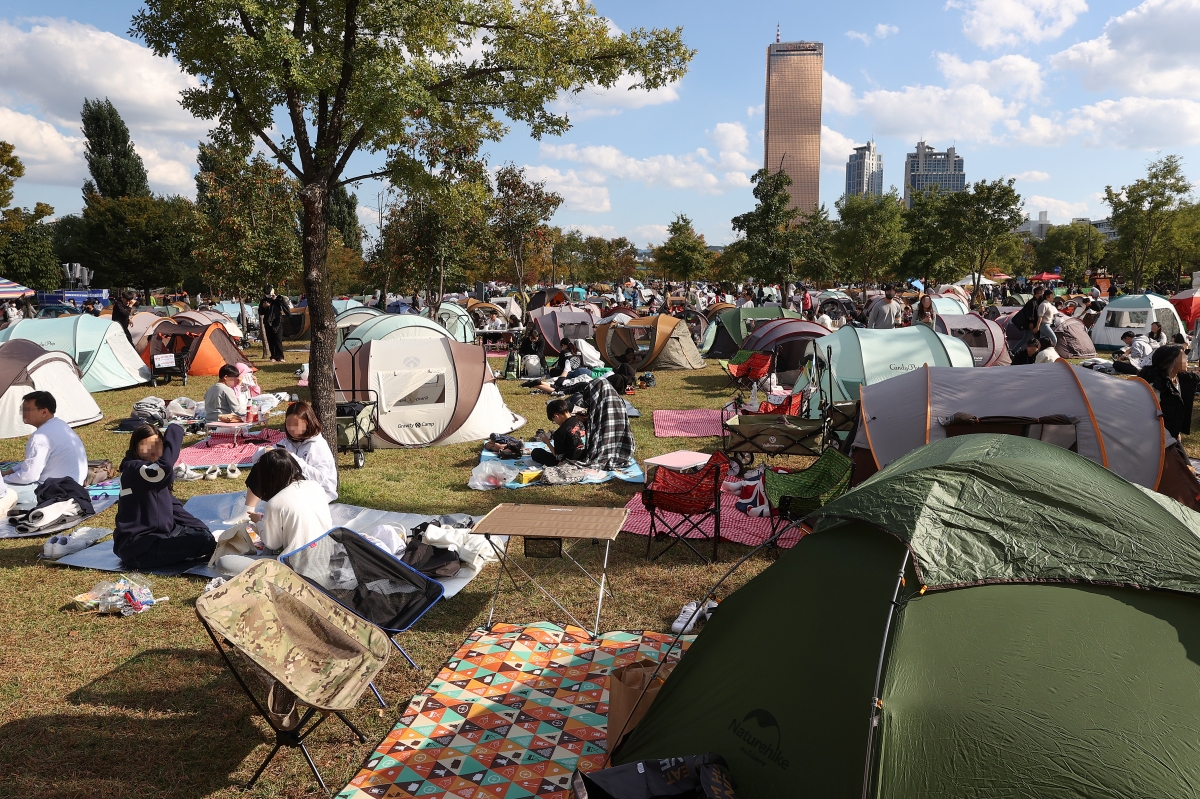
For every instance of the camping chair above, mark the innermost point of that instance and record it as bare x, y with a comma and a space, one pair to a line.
695, 497
793, 405
315, 657
367, 580
753, 369
795, 495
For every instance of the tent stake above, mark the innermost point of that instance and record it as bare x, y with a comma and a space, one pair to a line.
875, 701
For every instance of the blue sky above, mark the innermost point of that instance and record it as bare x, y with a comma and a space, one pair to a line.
1066, 95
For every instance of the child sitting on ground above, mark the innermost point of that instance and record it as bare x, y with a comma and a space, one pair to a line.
568, 441
152, 528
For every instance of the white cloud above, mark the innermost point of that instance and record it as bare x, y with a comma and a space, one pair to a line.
1032, 176
579, 192
1012, 74
1058, 209
48, 69
882, 31
603, 231
651, 234
995, 23
733, 144
1136, 123
756, 110
967, 112
838, 95
594, 101
1149, 50
835, 149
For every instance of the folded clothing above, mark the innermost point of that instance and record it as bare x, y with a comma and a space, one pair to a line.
53, 514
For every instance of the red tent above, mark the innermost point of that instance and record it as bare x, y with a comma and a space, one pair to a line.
1046, 277
1187, 305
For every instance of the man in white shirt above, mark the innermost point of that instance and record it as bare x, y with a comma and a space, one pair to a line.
1138, 357
53, 449
886, 312
1047, 354
1045, 317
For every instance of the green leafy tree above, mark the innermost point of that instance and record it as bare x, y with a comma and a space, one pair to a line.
247, 232
11, 170
520, 209
770, 235
931, 244
566, 254
684, 255
981, 220
869, 239
424, 83
27, 248
1141, 212
116, 168
143, 242
814, 255
1178, 249
730, 265
1072, 250
343, 217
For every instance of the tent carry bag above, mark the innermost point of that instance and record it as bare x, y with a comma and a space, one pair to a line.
693, 777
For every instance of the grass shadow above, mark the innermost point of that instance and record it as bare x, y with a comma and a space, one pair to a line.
713, 385
17, 556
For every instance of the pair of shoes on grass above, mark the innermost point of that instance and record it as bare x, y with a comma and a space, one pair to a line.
64, 544
691, 613
231, 471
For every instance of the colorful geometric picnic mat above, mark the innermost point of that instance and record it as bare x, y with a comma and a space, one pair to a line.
220, 450
512, 714
735, 525
688, 424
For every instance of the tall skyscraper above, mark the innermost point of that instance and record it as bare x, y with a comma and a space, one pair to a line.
864, 171
928, 167
793, 117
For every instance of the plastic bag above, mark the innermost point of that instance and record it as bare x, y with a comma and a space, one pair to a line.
491, 474
128, 595
182, 406
531, 365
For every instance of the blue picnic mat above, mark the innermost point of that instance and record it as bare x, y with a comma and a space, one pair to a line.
632, 474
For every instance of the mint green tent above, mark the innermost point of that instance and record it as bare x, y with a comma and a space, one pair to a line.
857, 356
97, 345
387, 326
725, 334
1044, 641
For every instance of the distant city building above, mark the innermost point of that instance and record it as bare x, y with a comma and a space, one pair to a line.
1105, 226
792, 135
927, 168
1036, 228
864, 171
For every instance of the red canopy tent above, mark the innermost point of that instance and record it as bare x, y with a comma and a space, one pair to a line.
1046, 277
1187, 305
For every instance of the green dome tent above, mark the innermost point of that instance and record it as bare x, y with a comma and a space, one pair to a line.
1043, 643
388, 326
725, 335
455, 319
97, 345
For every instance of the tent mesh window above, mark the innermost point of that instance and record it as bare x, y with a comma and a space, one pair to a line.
1057, 430
1166, 319
364, 578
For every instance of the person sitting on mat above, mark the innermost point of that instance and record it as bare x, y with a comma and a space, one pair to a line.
310, 449
224, 401
296, 512
568, 441
53, 448
153, 529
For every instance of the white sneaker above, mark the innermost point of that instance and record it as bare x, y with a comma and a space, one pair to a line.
232, 471
709, 606
184, 474
687, 618
213, 473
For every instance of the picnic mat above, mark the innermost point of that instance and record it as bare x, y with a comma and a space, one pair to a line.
632, 474
100, 504
220, 450
697, 423
735, 525
512, 713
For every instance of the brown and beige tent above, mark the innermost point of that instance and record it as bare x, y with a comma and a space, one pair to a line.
1113, 422
662, 342
716, 309
430, 391
25, 367
983, 337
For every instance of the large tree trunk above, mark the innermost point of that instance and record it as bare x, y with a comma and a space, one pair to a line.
315, 199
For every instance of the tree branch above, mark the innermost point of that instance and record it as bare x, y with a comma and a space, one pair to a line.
298, 27
351, 146
261, 133
349, 45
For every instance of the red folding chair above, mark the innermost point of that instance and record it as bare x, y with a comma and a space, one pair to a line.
752, 371
792, 406
694, 497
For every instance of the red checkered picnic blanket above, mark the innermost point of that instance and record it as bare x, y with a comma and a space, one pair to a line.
688, 424
735, 525
220, 450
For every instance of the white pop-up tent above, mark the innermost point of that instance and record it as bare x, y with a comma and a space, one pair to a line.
26, 367
430, 391
1134, 312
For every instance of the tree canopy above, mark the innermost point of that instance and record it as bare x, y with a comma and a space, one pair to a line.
116, 168
684, 255
1142, 211
870, 234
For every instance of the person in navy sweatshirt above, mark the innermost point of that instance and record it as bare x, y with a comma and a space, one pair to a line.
153, 529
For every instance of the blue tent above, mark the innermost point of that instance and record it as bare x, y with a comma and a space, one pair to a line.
97, 345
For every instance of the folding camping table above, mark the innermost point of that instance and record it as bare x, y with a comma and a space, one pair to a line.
576, 524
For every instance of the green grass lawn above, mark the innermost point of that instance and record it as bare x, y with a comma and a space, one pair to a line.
142, 706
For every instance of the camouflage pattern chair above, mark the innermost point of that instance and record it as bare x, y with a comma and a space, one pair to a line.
314, 656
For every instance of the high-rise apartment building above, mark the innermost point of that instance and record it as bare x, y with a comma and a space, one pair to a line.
793, 118
927, 167
864, 171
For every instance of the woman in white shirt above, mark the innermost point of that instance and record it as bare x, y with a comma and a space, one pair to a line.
307, 447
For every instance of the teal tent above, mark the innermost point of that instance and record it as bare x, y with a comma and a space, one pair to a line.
388, 326
455, 319
1042, 642
725, 334
344, 305
857, 356
97, 345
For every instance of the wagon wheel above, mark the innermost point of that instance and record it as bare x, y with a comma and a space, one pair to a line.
185, 378
360, 458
